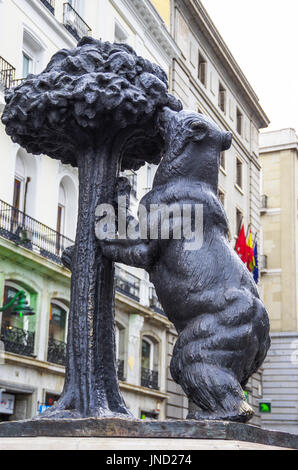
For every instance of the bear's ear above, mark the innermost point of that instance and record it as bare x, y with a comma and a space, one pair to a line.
200, 131
226, 141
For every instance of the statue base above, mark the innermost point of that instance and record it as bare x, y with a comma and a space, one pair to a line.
170, 429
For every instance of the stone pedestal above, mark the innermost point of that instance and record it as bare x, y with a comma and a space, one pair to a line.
120, 429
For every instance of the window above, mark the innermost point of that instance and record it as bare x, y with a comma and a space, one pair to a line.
77, 5
149, 363
61, 209
17, 193
239, 220
239, 172
33, 57
239, 118
27, 65
221, 196
147, 354
57, 332
67, 208
60, 219
120, 350
223, 160
120, 35
18, 188
24, 183
202, 70
57, 322
222, 97
149, 177
17, 331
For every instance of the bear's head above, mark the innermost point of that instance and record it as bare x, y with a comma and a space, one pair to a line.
193, 144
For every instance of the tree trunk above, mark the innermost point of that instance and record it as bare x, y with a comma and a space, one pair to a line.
91, 384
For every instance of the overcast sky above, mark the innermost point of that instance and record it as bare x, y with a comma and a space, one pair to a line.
263, 37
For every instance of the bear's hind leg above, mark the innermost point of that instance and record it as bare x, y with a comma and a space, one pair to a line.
217, 392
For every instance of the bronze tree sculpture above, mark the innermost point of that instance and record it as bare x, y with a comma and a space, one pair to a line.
208, 293
93, 107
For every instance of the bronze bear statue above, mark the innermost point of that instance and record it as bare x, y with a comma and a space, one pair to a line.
207, 293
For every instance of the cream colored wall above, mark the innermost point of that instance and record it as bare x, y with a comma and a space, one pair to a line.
279, 224
289, 235
164, 9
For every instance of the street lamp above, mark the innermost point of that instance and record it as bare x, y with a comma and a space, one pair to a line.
22, 308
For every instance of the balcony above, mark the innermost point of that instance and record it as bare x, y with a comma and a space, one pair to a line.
74, 23
17, 82
149, 378
120, 369
17, 341
56, 352
7, 74
50, 4
154, 302
127, 284
25, 231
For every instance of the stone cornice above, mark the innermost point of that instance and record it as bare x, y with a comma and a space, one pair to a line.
142, 390
27, 257
226, 58
132, 306
284, 334
34, 363
279, 148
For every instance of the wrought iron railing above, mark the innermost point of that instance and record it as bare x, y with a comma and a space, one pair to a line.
127, 283
74, 23
18, 341
120, 369
56, 351
7, 74
50, 4
149, 378
154, 302
17, 82
22, 229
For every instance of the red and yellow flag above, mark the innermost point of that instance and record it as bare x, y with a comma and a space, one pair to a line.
241, 246
251, 263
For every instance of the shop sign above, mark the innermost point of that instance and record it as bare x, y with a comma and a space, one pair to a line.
7, 404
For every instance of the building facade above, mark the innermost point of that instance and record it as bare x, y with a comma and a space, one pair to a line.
39, 195
279, 219
206, 78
